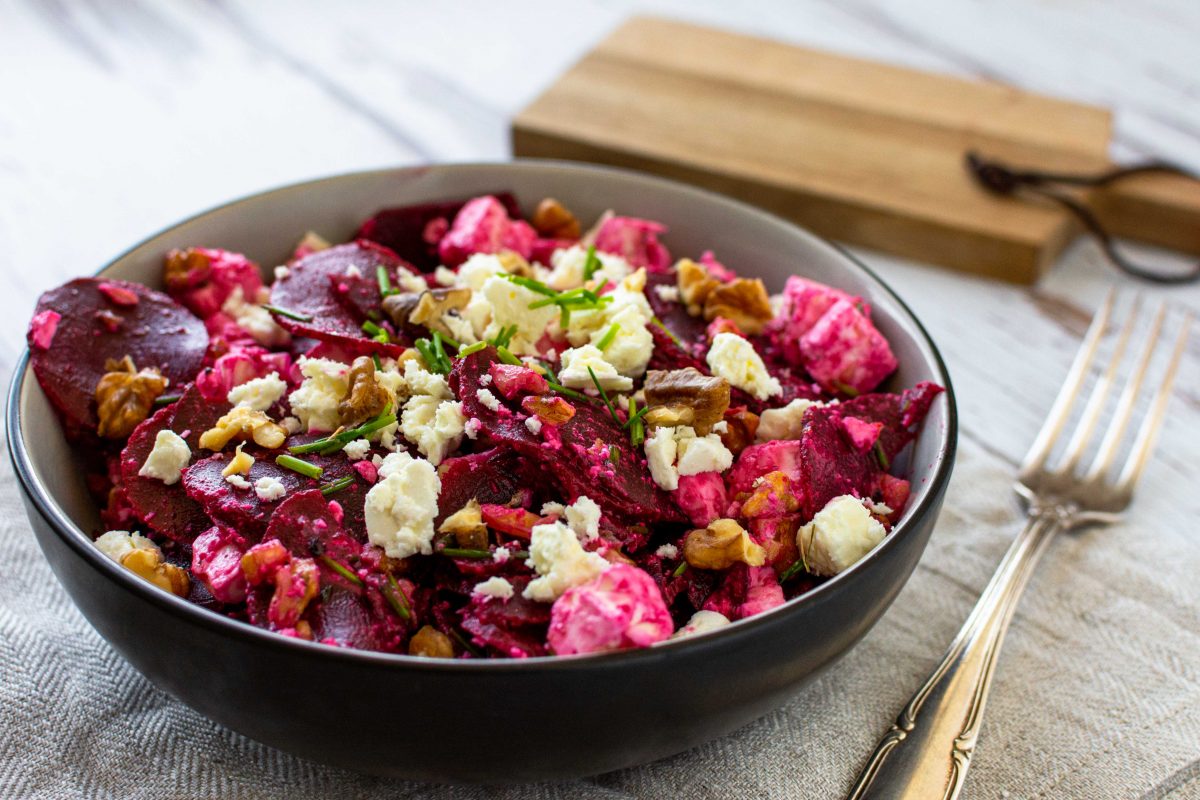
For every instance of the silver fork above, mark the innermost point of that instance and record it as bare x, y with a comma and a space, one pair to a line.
926, 753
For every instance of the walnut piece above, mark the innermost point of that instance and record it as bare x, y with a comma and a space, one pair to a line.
147, 563
125, 396
365, 397
239, 464
744, 301
553, 221
515, 264
429, 642
296, 584
721, 545
550, 409
741, 426
685, 397
184, 268
244, 422
433, 306
467, 526
695, 285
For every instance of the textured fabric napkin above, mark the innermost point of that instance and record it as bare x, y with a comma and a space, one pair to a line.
1097, 695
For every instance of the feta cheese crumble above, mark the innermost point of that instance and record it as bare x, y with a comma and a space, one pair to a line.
733, 358
534, 425
784, 423
575, 375
494, 586
667, 551
472, 427
167, 459
258, 393
237, 481
569, 262
357, 450
667, 292
254, 320
840, 534
401, 507
560, 561
702, 622
583, 518
118, 544
489, 400
510, 306
269, 489
434, 426
315, 403
673, 452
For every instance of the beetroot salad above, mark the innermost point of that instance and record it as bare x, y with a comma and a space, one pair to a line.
466, 434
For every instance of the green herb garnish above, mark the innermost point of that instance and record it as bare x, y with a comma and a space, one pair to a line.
504, 337
507, 357
560, 389
637, 428
378, 363
331, 444
296, 465
881, 456
471, 349
377, 333
397, 599
464, 552
614, 454
336, 486
591, 264
341, 569
658, 322
682, 568
528, 283
166, 399
609, 336
283, 312
845, 389
793, 570
385, 283
604, 396
435, 359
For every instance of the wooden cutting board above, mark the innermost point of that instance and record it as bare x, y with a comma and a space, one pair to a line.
854, 150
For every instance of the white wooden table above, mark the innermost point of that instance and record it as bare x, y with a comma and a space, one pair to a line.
119, 118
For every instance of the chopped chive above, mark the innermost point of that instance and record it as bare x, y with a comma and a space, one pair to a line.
793, 570
341, 569
591, 264
564, 317
166, 399
464, 552
609, 336
604, 396
336, 486
331, 444
504, 337
471, 349
397, 599
549, 301
557, 387
518, 554
378, 363
682, 568
667, 331
439, 350
881, 456
635, 413
507, 357
466, 645
614, 454
529, 283
385, 283
296, 465
283, 312
637, 434
447, 340
377, 333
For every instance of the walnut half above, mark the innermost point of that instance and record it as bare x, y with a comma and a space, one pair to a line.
428, 308
365, 397
467, 526
721, 545
744, 301
125, 397
685, 397
554, 221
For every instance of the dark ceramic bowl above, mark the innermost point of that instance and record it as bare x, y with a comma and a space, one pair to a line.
450, 720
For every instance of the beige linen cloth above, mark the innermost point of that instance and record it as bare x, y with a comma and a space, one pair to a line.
1097, 695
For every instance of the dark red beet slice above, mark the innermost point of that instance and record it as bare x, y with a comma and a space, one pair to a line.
578, 455
306, 525
830, 465
413, 232
674, 315
193, 415
343, 617
493, 476
512, 628
311, 289
105, 319
901, 414
166, 509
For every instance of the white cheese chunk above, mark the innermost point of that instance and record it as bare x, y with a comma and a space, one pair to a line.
840, 534
487, 399
676, 451
315, 403
258, 393
630, 349
494, 586
401, 507
783, 423
668, 551
583, 518
534, 425
118, 544
560, 562
733, 358
575, 375
702, 622
661, 449
357, 450
269, 488
167, 459
568, 264
254, 319
237, 481
511, 307
434, 426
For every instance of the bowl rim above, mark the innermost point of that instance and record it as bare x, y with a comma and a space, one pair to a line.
82, 544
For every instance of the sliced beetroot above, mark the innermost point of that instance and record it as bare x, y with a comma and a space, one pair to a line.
493, 476
193, 414
91, 328
672, 313
310, 290
343, 618
512, 628
587, 455
166, 509
413, 232
901, 414
830, 465
308, 526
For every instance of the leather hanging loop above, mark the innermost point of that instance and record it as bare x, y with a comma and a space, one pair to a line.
1000, 179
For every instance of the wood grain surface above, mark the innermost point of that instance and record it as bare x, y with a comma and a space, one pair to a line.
117, 119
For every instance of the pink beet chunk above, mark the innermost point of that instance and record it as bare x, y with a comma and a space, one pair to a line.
217, 561
483, 226
702, 497
636, 241
511, 380
844, 352
620, 608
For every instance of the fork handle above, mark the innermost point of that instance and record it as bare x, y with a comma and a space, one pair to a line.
926, 753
